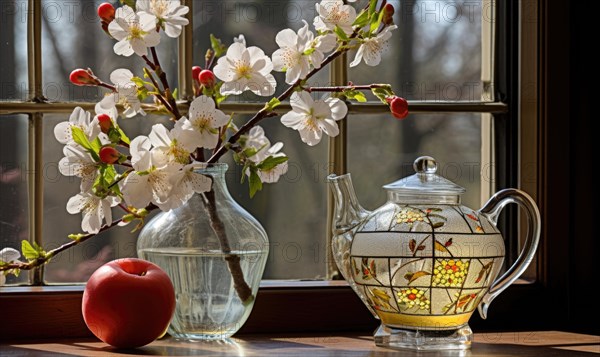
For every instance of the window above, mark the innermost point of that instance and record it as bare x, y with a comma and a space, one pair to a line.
450, 73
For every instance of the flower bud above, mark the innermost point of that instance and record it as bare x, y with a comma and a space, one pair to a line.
109, 155
207, 78
398, 106
196, 72
106, 12
105, 123
388, 14
83, 77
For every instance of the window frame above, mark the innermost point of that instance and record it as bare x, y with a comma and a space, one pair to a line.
35, 311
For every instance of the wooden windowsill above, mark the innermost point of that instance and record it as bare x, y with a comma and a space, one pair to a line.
489, 344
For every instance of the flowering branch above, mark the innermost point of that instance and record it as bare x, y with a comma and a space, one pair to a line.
159, 170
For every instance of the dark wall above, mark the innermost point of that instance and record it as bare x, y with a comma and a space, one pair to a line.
583, 157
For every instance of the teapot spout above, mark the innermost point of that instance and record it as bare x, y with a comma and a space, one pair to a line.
348, 213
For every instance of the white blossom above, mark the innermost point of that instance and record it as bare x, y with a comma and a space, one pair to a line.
243, 69
313, 117
152, 179
78, 162
126, 95
134, 31
187, 182
240, 39
174, 146
80, 119
371, 48
94, 209
169, 14
332, 13
259, 141
202, 127
298, 51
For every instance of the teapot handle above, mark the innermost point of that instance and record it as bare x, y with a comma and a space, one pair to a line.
492, 210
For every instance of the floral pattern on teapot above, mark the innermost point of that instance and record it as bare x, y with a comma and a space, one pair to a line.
434, 260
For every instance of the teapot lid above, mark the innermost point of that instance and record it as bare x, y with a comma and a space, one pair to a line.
425, 181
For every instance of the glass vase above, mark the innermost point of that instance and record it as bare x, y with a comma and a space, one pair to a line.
215, 253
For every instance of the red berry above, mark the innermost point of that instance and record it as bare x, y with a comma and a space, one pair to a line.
109, 155
388, 14
196, 72
398, 106
83, 77
105, 123
207, 78
411, 296
106, 12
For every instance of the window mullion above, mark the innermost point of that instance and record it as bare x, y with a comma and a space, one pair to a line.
35, 139
338, 76
186, 51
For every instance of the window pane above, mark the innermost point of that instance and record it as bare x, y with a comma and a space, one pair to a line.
292, 211
14, 176
76, 265
435, 54
259, 21
72, 37
382, 150
13, 47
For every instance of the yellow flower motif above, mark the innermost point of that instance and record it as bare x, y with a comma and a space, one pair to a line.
450, 273
413, 298
410, 216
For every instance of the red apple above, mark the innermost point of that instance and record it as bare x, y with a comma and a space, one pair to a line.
128, 302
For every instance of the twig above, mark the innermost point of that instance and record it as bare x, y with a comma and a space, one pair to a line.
345, 88
233, 260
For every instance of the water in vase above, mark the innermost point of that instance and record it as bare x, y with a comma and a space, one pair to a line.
208, 307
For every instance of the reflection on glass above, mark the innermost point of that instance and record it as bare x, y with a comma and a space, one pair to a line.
14, 177
383, 149
73, 38
435, 54
13, 47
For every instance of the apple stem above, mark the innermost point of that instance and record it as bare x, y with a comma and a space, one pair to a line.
233, 260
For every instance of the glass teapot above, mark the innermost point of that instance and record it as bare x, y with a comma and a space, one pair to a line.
422, 262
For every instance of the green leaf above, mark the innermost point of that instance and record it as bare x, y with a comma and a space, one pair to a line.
76, 237
28, 251
80, 138
249, 152
356, 95
372, 7
254, 182
175, 93
272, 104
362, 19
309, 51
140, 82
382, 93
217, 46
124, 138
96, 145
340, 33
376, 21
270, 162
